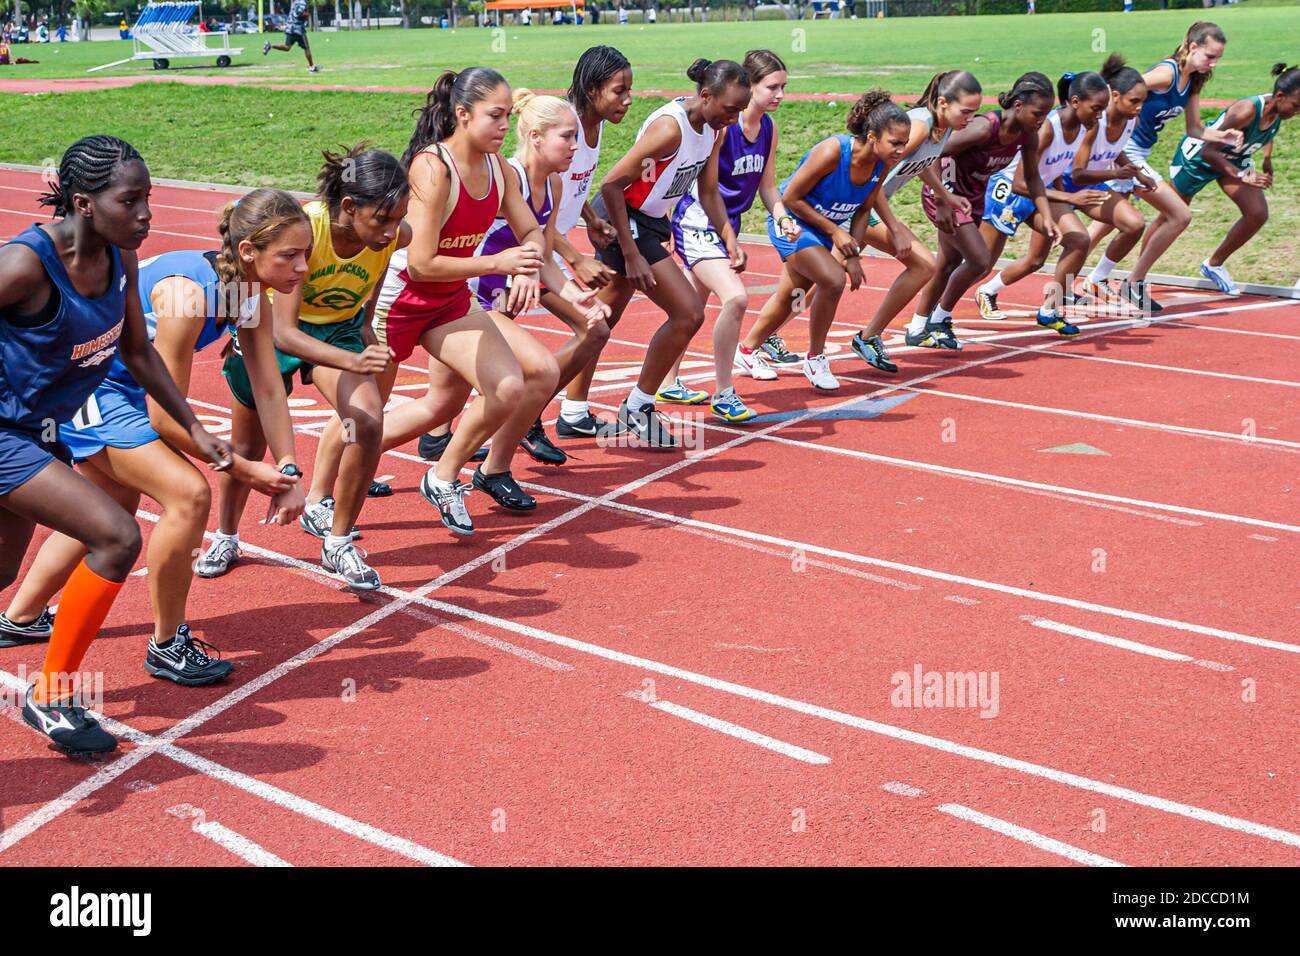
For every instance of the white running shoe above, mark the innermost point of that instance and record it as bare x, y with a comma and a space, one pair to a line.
216, 561
756, 365
817, 369
1219, 276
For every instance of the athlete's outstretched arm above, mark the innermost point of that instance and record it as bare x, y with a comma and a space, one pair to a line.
525, 289
1238, 117
715, 209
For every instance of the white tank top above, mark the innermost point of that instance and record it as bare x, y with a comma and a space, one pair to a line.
1059, 156
1104, 150
577, 180
656, 195
926, 155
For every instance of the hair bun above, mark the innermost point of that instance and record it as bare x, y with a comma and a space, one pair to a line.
697, 69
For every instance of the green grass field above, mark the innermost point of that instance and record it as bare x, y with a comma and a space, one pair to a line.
256, 136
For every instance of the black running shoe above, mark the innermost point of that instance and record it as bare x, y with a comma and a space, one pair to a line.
184, 660
647, 425
1140, 296
432, 447
872, 351
69, 727
379, 489
774, 348
943, 334
538, 444
33, 632
588, 427
504, 490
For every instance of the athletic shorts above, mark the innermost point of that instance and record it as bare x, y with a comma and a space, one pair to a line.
1004, 208
1190, 178
345, 335
931, 207
698, 245
24, 453
410, 316
1137, 155
290, 39
807, 238
1068, 185
115, 416
648, 233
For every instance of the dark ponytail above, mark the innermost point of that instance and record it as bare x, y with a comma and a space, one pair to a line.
437, 119
1288, 79
1118, 75
369, 177
1081, 85
1029, 86
596, 67
949, 86
87, 166
873, 113
716, 75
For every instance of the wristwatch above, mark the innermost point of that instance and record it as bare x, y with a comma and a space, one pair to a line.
292, 470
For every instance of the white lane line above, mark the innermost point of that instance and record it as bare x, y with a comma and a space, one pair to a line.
226, 838
496, 643
147, 745
1218, 328
793, 751
940, 744
1120, 642
902, 789
1024, 835
1095, 416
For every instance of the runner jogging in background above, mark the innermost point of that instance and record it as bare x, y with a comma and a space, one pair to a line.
295, 31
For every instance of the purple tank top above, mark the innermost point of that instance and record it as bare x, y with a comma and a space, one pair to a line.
967, 174
740, 170
501, 237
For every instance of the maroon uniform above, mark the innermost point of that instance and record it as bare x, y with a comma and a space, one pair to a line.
967, 173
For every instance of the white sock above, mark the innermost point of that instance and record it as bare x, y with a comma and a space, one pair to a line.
994, 285
637, 399
573, 412
940, 314
222, 536
434, 481
1102, 270
918, 323
727, 392
333, 543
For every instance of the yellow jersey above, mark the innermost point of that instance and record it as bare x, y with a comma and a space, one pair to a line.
335, 289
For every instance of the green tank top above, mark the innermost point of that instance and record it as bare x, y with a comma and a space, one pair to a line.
1254, 138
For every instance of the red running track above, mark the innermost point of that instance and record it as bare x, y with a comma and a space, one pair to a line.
696, 658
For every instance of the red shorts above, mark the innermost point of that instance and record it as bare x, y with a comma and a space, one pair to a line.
930, 205
415, 311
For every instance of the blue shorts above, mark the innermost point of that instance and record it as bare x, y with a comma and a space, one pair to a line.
1068, 185
115, 416
808, 238
1004, 208
23, 455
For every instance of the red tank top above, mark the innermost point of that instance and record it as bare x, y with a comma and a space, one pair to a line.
464, 227
968, 173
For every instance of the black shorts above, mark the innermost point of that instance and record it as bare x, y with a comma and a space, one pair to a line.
299, 38
649, 233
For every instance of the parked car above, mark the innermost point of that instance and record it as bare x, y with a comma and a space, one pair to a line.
243, 26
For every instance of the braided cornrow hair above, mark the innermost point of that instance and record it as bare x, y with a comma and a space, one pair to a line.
87, 167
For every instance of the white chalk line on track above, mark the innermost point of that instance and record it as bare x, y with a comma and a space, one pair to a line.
1121, 642
717, 724
1024, 835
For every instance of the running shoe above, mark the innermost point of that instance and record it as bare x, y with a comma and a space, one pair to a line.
1051, 320
589, 426
379, 489
538, 444
648, 426
318, 519
679, 394
924, 339
755, 363
348, 562
69, 727
449, 499
1219, 276
313, 69
728, 406
504, 490
1090, 292
1139, 295
817, 369
184, 659
943, 334
221, 554
431, 447
988, 303
775, 348
872, 351
33, 632
266, 48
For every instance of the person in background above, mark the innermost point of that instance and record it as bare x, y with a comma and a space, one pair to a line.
295, 32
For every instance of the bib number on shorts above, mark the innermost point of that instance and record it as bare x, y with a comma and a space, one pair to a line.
1001, 190
631, 225
88, 415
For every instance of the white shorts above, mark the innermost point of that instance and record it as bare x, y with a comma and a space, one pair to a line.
694, 246
1137, 155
